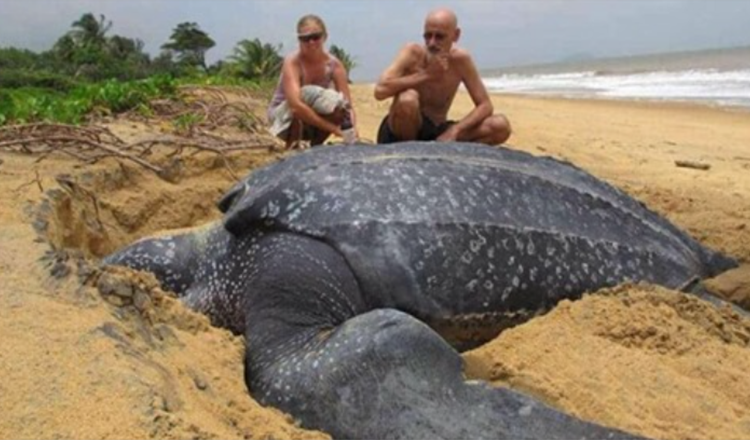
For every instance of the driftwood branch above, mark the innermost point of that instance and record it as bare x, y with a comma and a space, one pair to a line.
692, 164
90, 144
206, 107
43, 129
111, 149
194, 114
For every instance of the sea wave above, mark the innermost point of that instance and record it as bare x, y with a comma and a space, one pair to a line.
729, 88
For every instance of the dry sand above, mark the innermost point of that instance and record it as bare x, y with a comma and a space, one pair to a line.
75, 363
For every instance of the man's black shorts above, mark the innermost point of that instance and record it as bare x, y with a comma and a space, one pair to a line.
427, 132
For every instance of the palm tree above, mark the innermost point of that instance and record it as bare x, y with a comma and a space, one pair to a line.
346, 59
256, 60
91, 32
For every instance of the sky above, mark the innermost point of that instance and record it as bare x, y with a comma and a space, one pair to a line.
498, 33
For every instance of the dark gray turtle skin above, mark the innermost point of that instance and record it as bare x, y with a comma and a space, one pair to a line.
350, 269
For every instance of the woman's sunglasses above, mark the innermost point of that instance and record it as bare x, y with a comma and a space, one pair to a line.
310, 37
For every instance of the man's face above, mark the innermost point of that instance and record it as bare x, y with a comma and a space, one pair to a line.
439, 35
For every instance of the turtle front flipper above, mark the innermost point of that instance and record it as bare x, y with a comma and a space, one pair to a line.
315, 352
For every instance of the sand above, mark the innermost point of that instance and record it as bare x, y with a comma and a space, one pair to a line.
87, 353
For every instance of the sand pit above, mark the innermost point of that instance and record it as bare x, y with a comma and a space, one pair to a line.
92, 354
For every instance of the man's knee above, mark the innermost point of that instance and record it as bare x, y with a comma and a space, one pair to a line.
404, 118
406, 104
499, 128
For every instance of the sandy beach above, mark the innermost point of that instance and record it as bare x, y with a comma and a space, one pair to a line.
79, 362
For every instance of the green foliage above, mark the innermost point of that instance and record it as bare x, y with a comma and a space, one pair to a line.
190, 44
64, 49
254, 60
119, 96
185, 123
164, 64
7, 106
12, 58
18, 78
126, 48
87, 70
30, 105
26, 105
346, 59
87, 52
90, 32
84, 47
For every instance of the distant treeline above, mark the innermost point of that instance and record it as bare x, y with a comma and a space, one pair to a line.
68, 78
88, 53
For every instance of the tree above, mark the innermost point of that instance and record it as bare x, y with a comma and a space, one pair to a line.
346, 59
125, 58
164, 64
82, 50
14, 58
64, 49
127, 50
255, 60
90, 32
190, 44
123, 47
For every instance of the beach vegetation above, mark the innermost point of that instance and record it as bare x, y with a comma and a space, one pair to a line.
252, 59
32, 104
91, 71
346, 59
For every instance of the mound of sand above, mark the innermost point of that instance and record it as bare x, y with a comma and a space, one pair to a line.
644, 359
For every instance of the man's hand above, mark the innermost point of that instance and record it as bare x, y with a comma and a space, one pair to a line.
451, 134
437, 65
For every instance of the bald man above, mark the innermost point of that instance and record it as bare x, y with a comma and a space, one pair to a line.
424, 79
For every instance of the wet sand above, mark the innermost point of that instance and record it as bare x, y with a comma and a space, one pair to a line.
77, 363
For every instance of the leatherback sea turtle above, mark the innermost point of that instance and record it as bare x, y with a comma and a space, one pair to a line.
344, 266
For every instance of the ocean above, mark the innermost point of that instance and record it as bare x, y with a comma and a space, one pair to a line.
719, 77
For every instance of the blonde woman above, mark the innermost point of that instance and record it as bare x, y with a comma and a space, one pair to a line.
312, 99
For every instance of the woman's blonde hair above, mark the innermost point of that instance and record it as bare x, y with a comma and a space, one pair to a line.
311, 18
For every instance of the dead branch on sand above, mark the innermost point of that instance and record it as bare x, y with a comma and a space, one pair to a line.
692, 164
201, 108
91, 144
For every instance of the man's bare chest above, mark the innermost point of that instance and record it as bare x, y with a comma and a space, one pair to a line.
439, 92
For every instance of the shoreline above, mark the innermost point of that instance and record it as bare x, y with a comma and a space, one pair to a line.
646, 102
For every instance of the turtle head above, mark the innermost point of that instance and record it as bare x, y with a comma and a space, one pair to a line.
172, 258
